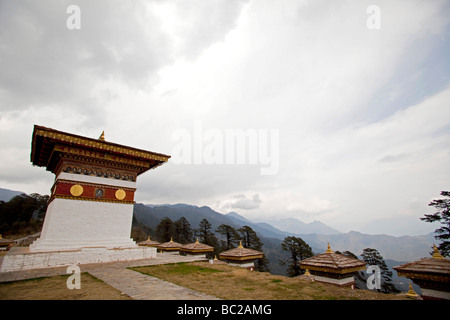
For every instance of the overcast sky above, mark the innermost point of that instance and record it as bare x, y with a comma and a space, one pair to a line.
350, 99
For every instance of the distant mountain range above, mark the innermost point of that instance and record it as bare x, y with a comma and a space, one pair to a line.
272, 233
6, 194
298, 227
316, 234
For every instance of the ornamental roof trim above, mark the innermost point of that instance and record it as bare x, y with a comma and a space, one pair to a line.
426, 265
149, 242
45, 138
170, 245
196, 247
332, 262
241, 253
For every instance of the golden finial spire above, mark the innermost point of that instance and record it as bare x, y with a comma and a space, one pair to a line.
1, 236
240, 245
411, 292
436, 254
196, 241
148, 239
215, 257
329, 249
171, 239
307, 273
102, 136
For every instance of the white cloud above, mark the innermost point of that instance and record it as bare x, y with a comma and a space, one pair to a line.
352, 144
241, 201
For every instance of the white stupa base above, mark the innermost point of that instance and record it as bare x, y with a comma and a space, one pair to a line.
45, 245
242, 264
74, 224
345, 282
21, 258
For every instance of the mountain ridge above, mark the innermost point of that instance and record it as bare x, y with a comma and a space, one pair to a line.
6, 194
401, 248
296, 226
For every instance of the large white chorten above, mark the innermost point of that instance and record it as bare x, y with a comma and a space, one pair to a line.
90, 209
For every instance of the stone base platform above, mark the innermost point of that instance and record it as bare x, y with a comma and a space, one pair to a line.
21, 258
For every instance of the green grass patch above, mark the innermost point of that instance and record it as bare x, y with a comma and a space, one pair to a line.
182, 268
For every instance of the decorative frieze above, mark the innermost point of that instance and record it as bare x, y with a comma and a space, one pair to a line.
68, 189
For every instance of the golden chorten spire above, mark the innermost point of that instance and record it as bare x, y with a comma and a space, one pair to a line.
215, 257
171, 240
196, 241
436, 254
102, 136
307, 273
240, 245
329, 249
411, 292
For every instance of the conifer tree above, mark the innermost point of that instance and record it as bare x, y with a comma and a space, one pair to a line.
165, 230
204, 233
443, 216
182, 231
251, 240
373, 257
230, 234
298, 250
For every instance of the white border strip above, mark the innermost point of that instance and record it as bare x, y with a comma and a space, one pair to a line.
97, 180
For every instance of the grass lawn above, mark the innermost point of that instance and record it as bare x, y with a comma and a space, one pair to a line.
235, 283
55, 288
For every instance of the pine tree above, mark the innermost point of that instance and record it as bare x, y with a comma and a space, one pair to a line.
165, 230
251, 240
298, 250
230, 234
373, 257
182, 231
443, 216
205, 235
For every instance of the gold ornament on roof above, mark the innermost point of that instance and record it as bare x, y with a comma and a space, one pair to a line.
240, 245
411, 292
436, 254
102, 136
329, 249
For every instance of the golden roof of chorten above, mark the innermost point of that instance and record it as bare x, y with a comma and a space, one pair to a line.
436, 265
149, 242
241, 253
170, 245
332, 262
196, 247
